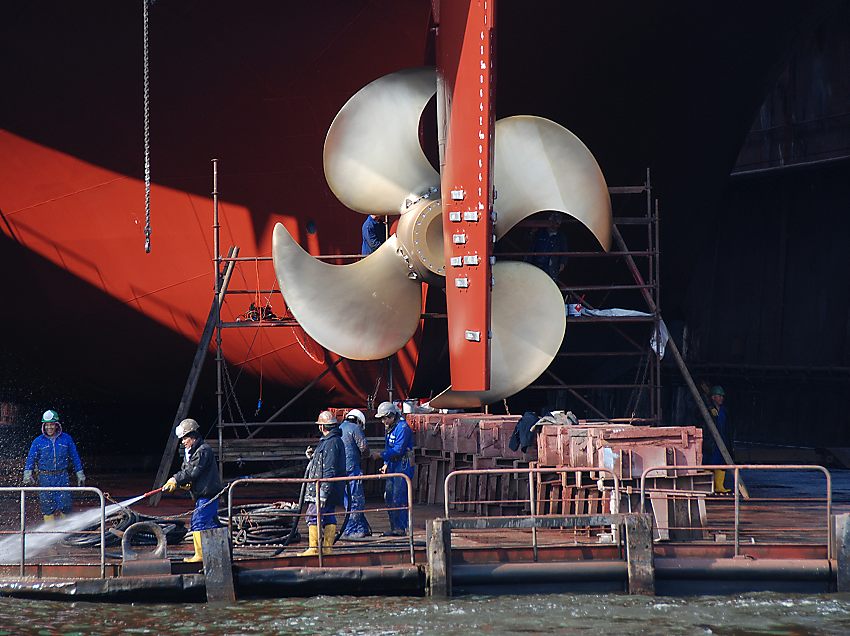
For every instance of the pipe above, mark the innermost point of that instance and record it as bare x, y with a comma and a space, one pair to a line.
744, 569
520, 573
309, 581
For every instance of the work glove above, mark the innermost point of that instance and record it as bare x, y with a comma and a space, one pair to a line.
28, 477
81, 478
309, 452
170, 485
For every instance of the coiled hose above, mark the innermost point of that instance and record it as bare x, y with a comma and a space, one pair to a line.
120, 520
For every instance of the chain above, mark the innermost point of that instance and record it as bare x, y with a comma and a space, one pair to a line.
147, 134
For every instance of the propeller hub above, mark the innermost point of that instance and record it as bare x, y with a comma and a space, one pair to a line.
420, 234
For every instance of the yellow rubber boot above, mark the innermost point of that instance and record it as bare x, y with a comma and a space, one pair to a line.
313, 550
199, 552
719, 479
49, 518
328, 536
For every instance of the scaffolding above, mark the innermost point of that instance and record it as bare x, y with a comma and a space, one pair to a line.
627, 346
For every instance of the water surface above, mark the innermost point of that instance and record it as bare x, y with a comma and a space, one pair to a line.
599, 615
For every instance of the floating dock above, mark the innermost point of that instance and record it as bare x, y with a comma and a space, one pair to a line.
779, 539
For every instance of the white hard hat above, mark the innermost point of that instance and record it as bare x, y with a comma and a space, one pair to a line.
326, 418
185, 427
386, 408
356, 415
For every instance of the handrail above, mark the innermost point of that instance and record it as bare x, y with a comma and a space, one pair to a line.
532, 483
737, 468
318, 482
25, 489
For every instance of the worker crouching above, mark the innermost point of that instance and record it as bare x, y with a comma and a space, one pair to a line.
326, 461
398, 458
199, 474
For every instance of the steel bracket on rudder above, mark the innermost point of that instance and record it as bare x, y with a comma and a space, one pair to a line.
465, 121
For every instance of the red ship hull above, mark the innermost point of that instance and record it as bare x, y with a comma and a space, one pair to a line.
257, 87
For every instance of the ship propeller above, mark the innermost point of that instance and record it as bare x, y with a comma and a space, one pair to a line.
374, 164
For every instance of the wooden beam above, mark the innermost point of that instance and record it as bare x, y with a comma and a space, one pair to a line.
192, 381
680, 362
218, 569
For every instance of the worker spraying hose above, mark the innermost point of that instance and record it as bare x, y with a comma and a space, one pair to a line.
198, 474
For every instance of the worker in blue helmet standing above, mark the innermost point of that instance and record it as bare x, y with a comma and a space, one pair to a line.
717, 408
199, 474
356, 450
398, 458
50, 454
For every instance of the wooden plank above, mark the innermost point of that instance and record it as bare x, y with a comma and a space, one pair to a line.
218, 569
841, 551
639, 554
439, 546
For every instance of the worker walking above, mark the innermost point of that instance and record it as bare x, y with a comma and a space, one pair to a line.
398, 458
198, 474
326, 461
50, 454
356, 450
717, 408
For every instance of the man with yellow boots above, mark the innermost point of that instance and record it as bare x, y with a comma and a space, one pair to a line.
716, 407
199, 475
327, 460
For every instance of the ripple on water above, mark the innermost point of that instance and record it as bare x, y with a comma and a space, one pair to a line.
531, 614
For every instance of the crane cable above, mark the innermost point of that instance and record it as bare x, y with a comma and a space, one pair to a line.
147, 133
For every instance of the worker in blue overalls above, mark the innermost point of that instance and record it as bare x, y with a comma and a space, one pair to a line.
356, 450
398, 458
50, 453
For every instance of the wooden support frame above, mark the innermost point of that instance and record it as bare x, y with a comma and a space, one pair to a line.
192, 381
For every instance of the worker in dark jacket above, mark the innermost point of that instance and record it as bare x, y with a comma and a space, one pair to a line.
199, 474
717, 408
50, 453
326, 461
374, 233
398, 458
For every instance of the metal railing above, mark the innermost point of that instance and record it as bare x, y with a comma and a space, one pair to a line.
736, 469
533, 484
318, 482
23, 490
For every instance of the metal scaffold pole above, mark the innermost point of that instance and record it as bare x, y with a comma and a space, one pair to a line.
218, 358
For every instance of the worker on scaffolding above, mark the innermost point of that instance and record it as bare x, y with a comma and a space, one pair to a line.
327, 460
545, 245
374, 233
717, 408
356, 450
199, 475
50, 453
398, 458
